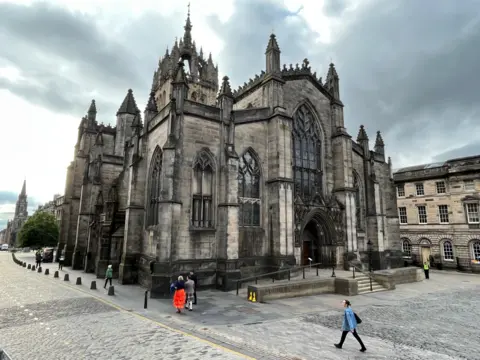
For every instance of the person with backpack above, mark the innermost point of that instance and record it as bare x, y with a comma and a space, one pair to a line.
350, 321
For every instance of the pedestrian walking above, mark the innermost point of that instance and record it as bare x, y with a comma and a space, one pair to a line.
426, 269
194, 278
38, 258
61, 260
179, 294
350, 321
190, 291
108, 276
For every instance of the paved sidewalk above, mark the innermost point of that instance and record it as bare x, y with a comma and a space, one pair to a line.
305, 328
46, 318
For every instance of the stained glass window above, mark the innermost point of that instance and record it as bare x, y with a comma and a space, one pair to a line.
154, 187
307, 154
202, 191
249, 190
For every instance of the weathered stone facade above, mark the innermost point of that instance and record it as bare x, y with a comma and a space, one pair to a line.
20, 217
438, 208
228, 183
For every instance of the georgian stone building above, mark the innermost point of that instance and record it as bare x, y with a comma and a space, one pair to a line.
20, 217
227, 183
438, 210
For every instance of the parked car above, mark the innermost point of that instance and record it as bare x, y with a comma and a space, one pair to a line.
4, 247
47, 255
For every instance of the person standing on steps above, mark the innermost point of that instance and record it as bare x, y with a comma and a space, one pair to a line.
349, 325
426, 269
108, 276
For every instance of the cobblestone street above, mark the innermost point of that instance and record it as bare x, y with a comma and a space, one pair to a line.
43, 319
436, 319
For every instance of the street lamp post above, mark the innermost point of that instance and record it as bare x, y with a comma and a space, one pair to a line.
370, 249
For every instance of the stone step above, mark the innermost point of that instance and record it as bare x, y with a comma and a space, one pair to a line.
374, 286
368, 291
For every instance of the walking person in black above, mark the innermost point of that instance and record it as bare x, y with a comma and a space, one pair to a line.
38, 258
349, 325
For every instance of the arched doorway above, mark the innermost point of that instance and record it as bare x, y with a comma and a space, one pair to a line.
318, 238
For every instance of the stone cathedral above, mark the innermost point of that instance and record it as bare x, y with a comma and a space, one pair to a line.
226, 183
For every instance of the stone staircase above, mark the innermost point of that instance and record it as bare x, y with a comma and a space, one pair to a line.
363, 282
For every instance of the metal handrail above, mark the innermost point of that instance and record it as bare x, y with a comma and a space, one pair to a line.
369, 274
356, 268
289, 270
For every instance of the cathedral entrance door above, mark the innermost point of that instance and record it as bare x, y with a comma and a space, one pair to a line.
317, 240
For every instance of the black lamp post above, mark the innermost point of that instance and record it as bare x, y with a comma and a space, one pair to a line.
370, 249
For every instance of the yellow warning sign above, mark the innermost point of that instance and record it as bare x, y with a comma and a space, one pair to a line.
250, 296
254, 298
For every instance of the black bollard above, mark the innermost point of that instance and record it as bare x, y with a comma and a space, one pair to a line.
39, 269
55, 275
33, 268
111, 291
93, 285
145, 302
79, 281
29, 266
24, 264
66, 278
47, 272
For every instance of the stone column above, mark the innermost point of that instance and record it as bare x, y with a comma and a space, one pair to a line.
134, 224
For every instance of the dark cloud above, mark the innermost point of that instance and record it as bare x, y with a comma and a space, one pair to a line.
43, 38
334, 8
243, 54
411, 71
467, 150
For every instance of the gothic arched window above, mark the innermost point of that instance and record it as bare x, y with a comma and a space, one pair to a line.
202, 191
154, 186
307, 154
249, 189
358, 201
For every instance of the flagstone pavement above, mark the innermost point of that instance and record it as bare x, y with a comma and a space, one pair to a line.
434, 319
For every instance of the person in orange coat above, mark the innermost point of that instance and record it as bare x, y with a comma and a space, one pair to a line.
179, 295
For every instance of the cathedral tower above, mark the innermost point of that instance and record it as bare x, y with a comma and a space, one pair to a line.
202, 74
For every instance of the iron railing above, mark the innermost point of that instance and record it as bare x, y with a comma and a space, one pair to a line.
288, 271
367, 274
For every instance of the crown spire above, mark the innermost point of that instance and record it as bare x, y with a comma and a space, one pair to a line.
187, 36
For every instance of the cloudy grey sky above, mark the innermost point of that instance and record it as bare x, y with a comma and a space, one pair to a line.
408, 68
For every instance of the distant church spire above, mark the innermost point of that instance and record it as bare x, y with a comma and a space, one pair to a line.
23, 193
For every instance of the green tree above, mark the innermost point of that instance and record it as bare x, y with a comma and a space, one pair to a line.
40, 230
